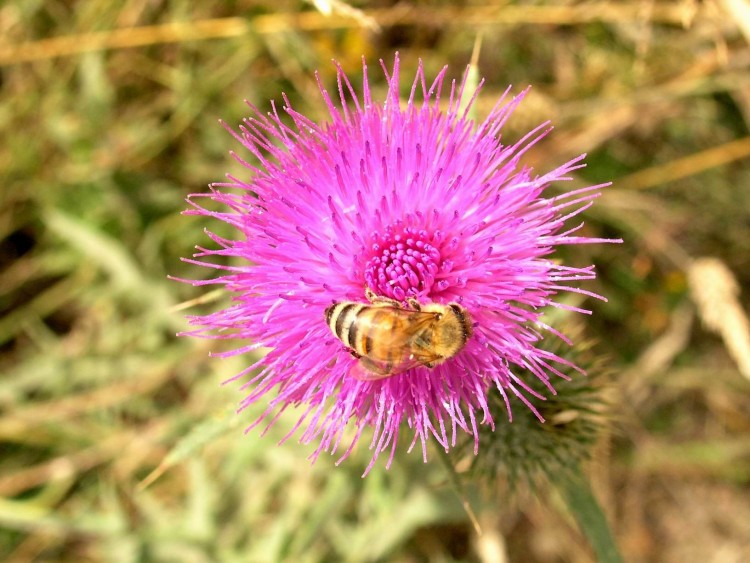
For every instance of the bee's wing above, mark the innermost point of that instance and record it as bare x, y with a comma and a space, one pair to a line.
414, 360
416, 321
367, 369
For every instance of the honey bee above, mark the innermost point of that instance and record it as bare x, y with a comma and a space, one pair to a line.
388, 338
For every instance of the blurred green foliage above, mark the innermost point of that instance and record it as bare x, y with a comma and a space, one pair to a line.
101, 143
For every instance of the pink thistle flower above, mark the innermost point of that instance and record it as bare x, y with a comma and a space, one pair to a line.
412, 201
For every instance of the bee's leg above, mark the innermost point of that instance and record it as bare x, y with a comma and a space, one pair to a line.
414, 304
379, 299
437, 360
370, 294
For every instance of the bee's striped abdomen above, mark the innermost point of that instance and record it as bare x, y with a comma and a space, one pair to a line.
341, 319
363, 328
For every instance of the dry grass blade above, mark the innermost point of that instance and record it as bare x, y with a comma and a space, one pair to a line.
209, 297
79, 461
687, 166
739, 11
658, 357
491, 545
58, 410
715, 291
122, 39
680, 14
329, 7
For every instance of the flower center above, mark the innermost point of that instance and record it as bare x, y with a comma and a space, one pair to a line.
403, 262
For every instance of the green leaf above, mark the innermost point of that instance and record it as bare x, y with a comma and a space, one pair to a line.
588, 513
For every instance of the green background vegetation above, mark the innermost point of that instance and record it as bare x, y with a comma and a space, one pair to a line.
108, 116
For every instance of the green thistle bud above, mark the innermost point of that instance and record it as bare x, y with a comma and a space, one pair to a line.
526, 448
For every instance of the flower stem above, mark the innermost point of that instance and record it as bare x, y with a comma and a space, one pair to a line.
458, 488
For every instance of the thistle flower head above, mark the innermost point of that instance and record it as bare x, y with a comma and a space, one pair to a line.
410, 198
